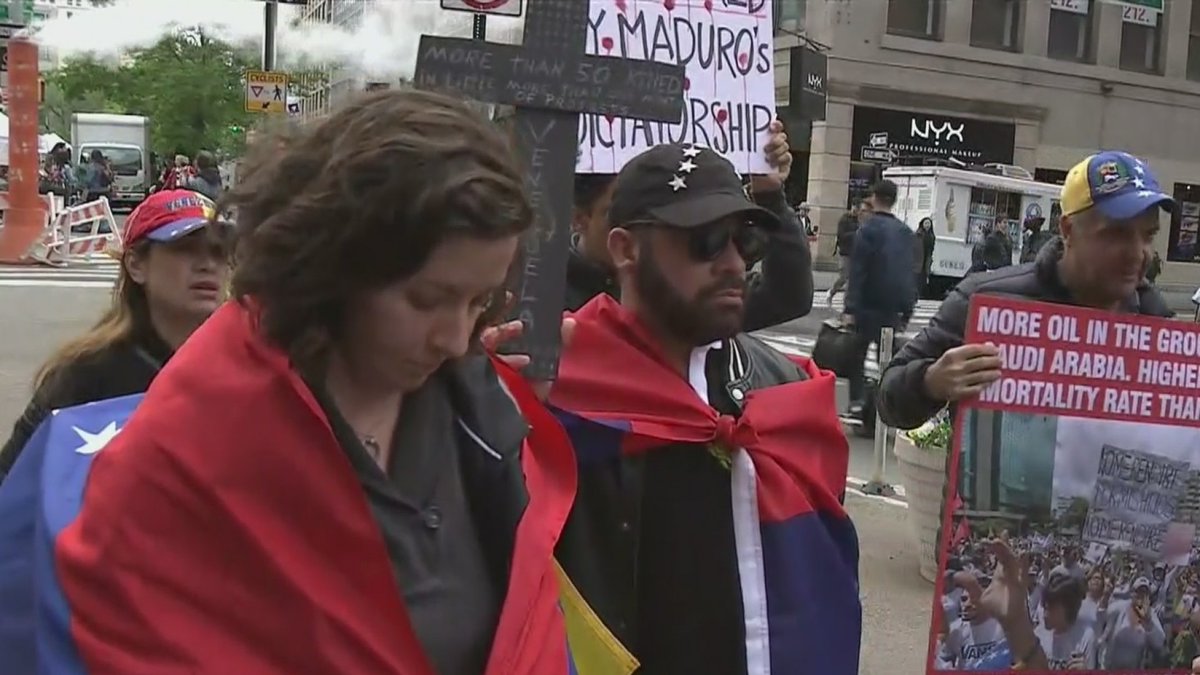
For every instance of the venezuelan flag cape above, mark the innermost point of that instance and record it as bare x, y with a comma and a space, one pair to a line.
797, 549
236, 538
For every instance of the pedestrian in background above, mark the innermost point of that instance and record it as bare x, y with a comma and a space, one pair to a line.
881, 292
927, 240
207, 179
97, 177
843, 246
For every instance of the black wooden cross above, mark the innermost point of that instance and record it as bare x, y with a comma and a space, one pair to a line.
550, 80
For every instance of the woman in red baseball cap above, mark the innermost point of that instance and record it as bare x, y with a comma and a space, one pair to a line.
174, 271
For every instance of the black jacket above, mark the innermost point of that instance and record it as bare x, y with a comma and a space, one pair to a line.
903, 402
846, 229
122, 369
1034, 243
881, 287
633, 516
992, 252
780, 292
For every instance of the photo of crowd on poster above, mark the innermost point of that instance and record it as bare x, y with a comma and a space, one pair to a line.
1094, 520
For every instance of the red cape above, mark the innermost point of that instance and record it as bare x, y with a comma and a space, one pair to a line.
613, 370
224, 531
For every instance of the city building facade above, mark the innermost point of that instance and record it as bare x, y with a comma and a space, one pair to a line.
326, 89
1039, 84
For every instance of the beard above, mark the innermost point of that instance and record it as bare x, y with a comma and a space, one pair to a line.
697, 321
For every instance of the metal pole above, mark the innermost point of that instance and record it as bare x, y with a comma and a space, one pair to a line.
479, 32
270, 19
877, 486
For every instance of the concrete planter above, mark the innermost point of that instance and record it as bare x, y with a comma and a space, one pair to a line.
924, 472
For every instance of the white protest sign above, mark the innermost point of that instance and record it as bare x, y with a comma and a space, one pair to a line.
727, 47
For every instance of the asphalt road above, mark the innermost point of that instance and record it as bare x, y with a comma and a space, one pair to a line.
41, 310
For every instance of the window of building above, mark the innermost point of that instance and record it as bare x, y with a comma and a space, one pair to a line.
1053, 176
1070, 35
995, 24
1185, 225
1193, 57
916, 18
1141, 43
789, 14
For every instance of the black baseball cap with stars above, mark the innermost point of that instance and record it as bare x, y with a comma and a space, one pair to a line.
683, 186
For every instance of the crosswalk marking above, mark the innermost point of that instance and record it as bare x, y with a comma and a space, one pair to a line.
101, 272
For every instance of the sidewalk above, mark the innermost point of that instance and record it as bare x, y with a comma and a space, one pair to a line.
896, 600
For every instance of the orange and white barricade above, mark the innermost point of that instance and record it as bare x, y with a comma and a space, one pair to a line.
80, 233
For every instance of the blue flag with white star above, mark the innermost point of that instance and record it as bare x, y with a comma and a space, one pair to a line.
41, 496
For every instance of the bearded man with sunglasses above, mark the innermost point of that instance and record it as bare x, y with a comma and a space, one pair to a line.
689, 432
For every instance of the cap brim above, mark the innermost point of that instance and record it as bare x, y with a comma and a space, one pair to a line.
711, 208
177, 229
1133, 203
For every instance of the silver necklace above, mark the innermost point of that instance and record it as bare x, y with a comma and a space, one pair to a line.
372, 447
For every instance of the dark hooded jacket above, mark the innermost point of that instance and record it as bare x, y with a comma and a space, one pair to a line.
780, 291
121, 369
903, 401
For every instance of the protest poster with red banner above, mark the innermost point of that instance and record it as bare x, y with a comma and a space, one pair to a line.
1069, 533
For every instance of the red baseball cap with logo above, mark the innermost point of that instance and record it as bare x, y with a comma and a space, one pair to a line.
168, 215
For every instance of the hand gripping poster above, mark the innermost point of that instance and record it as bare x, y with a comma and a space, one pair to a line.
1069, 534
727, 47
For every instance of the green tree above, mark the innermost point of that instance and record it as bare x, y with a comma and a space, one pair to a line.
190, 85
56, 110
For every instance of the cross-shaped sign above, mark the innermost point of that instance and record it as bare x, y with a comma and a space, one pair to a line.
550, 80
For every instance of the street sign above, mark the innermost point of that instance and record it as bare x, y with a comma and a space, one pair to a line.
500, 7
878, 155
1073, 6
1140, 15
266, 92
550, 80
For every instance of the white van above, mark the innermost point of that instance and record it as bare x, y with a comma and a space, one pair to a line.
962, 204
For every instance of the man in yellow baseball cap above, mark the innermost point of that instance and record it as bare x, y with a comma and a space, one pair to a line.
1111, 205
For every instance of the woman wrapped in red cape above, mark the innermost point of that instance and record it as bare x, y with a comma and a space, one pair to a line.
323, 480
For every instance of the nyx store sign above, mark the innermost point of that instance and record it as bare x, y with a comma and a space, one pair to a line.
912, 135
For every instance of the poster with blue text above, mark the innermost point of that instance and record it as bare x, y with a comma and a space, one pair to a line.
727, 48
1069, 540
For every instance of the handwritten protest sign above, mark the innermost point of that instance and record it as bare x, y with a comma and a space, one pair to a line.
1084, 454
1135, 499
727, 48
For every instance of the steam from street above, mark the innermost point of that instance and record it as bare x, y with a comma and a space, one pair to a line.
383, 45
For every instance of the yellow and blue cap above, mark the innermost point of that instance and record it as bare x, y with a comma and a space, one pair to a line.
1117, 184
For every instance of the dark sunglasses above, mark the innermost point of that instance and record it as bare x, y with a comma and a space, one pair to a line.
707, 242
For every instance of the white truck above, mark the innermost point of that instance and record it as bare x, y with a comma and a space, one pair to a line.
124, 140
963, 205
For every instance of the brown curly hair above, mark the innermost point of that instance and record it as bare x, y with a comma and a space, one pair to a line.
360, 200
